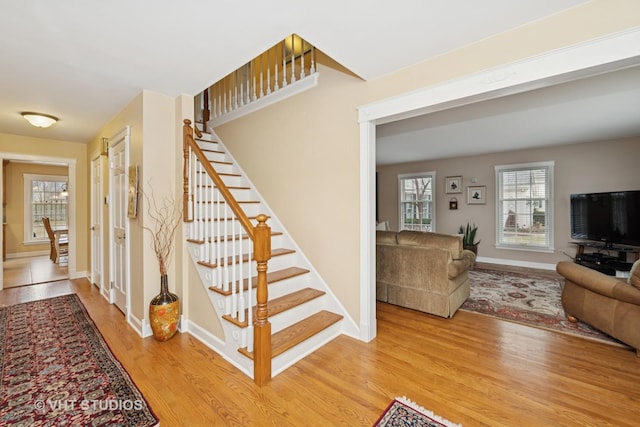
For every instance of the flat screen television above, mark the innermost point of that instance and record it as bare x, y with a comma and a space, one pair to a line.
612, 217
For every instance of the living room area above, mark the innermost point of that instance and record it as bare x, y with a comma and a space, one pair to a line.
434, 147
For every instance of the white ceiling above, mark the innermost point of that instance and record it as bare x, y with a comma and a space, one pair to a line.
83, 61
598, 108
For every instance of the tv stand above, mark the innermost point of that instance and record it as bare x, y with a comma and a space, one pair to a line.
602, 260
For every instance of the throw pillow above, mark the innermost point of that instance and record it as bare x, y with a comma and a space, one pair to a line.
634, 274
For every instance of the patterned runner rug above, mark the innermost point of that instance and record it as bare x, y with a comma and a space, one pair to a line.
525, 298
56, 369
403, 412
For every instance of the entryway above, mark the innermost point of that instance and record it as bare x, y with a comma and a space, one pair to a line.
32, 270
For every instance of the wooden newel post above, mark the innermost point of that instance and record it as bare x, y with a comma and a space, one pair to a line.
262, 327
187, 132
206, 113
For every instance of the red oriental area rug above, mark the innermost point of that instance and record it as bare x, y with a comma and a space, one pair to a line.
56, 369
402, 412
526, 298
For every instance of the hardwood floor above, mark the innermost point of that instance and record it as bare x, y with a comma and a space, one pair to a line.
471, 369
29, 270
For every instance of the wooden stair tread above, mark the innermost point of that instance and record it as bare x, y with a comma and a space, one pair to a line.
281, 304
228, 238
245, 257
298, 332
272, 277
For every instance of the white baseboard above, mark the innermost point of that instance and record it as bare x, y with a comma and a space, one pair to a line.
517, 263
211, 341
17, 255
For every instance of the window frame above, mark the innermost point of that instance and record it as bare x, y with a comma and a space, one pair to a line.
548, 166
401, 201
28, 179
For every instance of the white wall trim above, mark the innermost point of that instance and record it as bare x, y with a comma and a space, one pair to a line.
71, 203
288, 91
613, 52
211, 341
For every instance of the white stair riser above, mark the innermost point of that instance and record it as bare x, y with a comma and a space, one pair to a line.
222, 228
294, 315
288, 358
209, 145
215, 156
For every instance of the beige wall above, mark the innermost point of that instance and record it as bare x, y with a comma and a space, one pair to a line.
306, 149
587, 167
155, 122
14, 230
14, 146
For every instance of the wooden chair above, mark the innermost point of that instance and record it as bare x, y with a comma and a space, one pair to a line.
59, 242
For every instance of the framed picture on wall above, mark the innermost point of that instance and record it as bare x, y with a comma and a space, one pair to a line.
132, 211
477, 195
453, 184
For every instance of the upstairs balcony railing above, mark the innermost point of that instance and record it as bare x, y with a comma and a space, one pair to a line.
276, 73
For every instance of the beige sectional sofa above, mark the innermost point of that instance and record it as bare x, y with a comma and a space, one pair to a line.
422, 271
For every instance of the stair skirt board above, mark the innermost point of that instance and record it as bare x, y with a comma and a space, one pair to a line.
220, 347
237, 336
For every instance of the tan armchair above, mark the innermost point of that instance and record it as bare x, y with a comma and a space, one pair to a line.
607, 303
422, 271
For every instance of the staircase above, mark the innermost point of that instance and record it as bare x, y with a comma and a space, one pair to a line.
295, 312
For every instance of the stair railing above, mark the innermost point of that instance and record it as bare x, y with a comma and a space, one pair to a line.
218, 221
282, 65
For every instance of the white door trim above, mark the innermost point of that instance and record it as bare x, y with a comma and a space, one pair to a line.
614, 52
99, 200
120, 137
71, 204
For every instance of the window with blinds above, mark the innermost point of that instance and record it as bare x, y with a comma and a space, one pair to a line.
524, 206
45, 195
417, 202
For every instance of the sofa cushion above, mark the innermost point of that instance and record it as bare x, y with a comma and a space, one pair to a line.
386, 237
634, 274
434, 240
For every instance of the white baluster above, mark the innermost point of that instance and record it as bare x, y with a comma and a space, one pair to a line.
205, 211
250, 303
241, 303
225, 272
293, 58
276, 65
284, 64
218, 243
261, 77
212, 234
253, 74
234, 284
302, 74
268, 72
201, 206
312, 67
248, 83
235, 89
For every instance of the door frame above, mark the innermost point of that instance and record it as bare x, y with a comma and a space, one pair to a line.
612, 52
97, 157
123, 135
71, 203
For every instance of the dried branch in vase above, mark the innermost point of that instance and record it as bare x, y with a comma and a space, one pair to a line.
165, 215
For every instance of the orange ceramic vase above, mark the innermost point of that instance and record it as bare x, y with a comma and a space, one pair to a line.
164, 312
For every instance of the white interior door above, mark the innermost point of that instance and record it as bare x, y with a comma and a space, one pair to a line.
118, 165
97, 260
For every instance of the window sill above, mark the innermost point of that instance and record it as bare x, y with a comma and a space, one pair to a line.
36, 242
526, 249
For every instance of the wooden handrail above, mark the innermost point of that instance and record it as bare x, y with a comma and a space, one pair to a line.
226, 194
261, 237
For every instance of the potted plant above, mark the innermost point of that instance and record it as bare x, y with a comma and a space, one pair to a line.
469, 237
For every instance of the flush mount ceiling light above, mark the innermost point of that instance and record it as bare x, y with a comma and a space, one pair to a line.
39, 120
